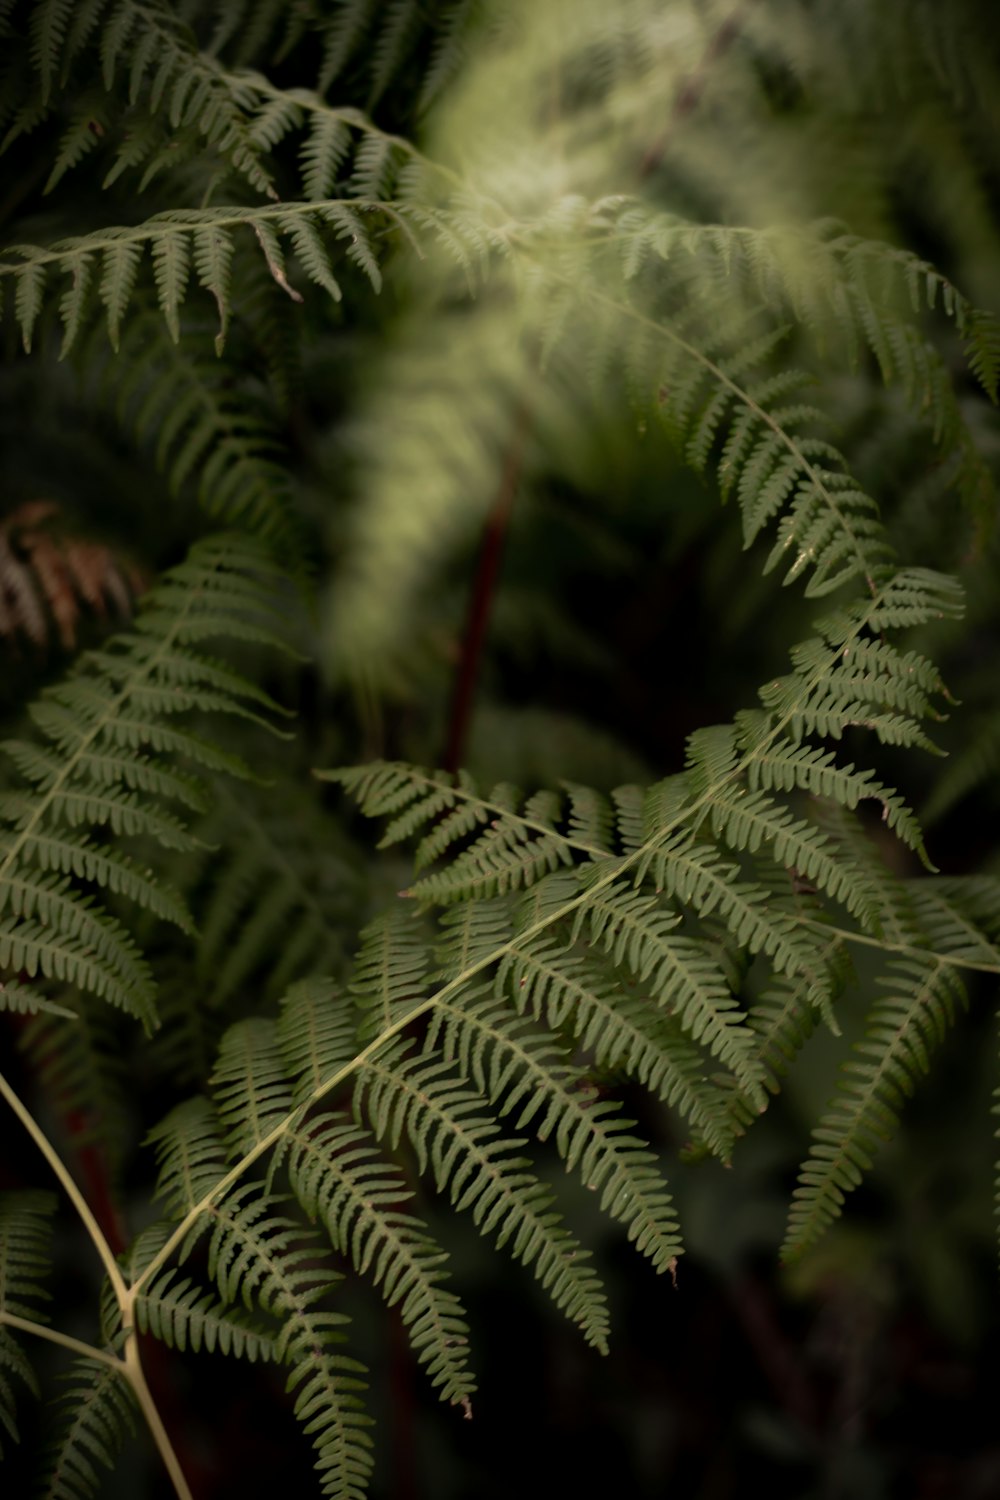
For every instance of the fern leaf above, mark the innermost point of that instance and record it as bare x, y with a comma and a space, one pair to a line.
453, 1135
679, 972
25, 1252
341, 35
23, 1001
784, 766
395, 32
340, 1179
171, 267
520, 1070
251, 1092
98, 1416
257, 1255
694, 874
749, 820
213, 253
323, 154
13, 1363
983, 351
181, 1315
72, 304
49, 24
190, 1153
902, 1029
391, 970
280, 894
312, 253
114, 702
316, 1032
186, 409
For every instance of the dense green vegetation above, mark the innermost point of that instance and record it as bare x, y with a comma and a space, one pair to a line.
595, 403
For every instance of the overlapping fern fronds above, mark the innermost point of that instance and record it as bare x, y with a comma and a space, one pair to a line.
156, 52
111, 758
199, 430
683, 939
590, 911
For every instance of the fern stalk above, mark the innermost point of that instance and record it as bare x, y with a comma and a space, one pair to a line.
64, 1340
70, 1188
130, 1368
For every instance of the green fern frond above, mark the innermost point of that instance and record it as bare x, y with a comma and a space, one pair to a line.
251, 1092
182, 1315
338, 1178
784, 766
749, 820
316, 1032
183, 410
25, 1263
472, 933
955, 918
251, 27
391, 970
114, 703
256, 1254
520, 842
520, 1070
376, 41
147, 41
455, 1137
983, 350
25, 1252
80, 1064
397, 29
191, 1155
783, 1017
342, 33
13, 1365
678, 972
98, 1416
173, 238
20, 1000
694, 874
457, 34
280, 893
621, 1029
902, 1030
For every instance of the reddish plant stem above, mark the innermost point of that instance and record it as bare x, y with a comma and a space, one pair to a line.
778, 1356
691, 90
495, 530
483, 589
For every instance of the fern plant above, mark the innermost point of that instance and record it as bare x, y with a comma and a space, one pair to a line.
361, 283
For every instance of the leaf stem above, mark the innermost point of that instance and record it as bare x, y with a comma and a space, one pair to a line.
137, 1379
53, 1336
69, 1186
845, 934
483, 590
